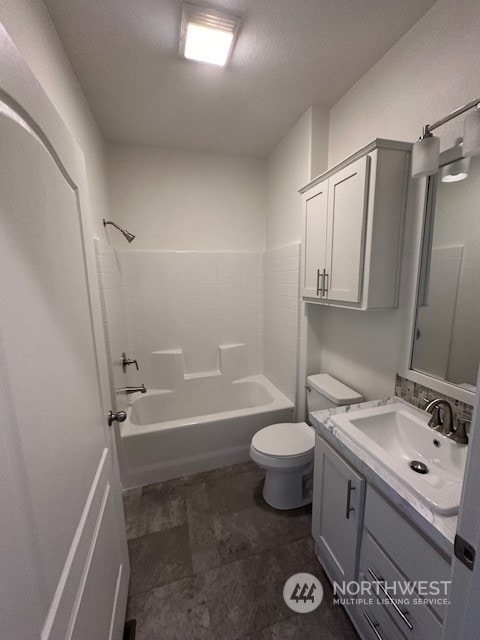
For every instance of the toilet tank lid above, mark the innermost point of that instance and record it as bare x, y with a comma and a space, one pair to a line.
333, 389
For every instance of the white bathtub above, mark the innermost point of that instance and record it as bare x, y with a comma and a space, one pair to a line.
203, 424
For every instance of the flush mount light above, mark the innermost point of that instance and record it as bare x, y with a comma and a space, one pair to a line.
455, 171
207, 35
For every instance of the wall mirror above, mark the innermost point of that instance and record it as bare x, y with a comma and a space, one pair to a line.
446, 342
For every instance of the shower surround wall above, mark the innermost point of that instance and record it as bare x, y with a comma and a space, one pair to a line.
194, 301
110, 282
282, 317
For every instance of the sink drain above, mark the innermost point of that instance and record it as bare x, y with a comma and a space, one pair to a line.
418, 467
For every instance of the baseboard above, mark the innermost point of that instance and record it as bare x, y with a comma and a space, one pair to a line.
130, 630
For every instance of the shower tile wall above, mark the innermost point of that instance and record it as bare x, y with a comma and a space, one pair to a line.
194, 301
282, 317
111, 296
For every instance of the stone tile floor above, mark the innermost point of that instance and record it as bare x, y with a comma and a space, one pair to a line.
209, 559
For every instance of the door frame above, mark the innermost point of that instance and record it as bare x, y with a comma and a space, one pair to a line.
463, 614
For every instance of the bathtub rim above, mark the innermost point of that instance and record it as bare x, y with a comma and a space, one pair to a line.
279, 401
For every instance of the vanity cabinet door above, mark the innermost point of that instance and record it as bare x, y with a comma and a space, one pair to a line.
347, 214
337, 519
315, 241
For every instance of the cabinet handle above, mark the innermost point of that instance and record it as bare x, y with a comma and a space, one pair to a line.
320, 288
402, 614
350, 488
373, 625
325, 282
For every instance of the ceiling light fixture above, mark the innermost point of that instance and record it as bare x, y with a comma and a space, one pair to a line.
426, 151
207, 35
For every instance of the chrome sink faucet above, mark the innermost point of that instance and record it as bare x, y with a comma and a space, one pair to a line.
128, 390
437, 421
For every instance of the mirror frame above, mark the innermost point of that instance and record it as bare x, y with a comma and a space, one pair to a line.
423, 227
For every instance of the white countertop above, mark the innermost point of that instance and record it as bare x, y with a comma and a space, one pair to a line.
440, 529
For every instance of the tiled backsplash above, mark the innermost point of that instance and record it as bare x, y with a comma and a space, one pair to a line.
415, 393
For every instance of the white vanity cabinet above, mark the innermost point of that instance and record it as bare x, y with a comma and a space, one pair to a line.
337, 512
353, 229
376, 545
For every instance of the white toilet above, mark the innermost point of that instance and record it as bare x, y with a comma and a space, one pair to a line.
286, 449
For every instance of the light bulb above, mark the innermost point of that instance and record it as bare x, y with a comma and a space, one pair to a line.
455, 171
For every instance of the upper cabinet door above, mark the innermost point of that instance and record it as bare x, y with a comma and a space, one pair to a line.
347, 212
315, 241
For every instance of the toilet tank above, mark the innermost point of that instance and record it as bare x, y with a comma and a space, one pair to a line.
325, 392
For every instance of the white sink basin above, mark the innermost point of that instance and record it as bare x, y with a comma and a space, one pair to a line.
396, 435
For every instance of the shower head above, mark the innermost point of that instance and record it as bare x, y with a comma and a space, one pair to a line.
126, 234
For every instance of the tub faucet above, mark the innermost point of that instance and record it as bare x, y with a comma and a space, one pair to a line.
445, 422
128, 390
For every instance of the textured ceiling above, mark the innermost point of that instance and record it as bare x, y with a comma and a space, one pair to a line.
290, 54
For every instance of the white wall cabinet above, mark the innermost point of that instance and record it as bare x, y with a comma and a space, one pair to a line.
316, 230
377, 544
337, 515
353, 230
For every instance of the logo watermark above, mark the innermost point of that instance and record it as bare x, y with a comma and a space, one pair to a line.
400, 593
303, 592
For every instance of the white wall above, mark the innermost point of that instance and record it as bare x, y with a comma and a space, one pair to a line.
177, 200
430, 71
29, 24
300, 155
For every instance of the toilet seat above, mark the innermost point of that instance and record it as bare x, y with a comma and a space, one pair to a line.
289, 444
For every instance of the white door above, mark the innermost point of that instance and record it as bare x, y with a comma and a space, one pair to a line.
63, 557
337, 517
347, 213
315, 241
463, 615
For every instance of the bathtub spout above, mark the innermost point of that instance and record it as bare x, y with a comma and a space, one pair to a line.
128, 390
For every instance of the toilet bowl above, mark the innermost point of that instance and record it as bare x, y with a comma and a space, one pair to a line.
286, 450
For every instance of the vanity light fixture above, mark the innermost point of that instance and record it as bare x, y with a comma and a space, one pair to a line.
426, 151
207, 35
471, 134
455, 171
